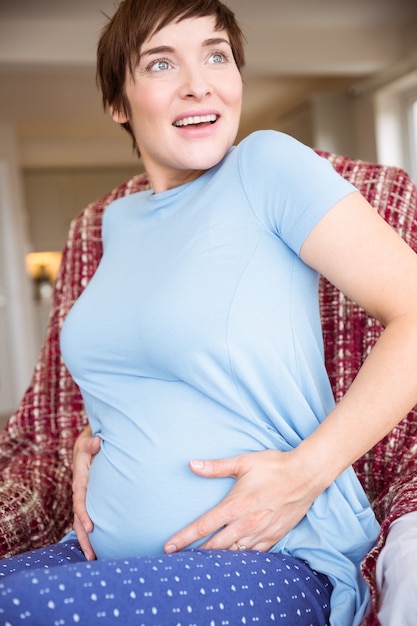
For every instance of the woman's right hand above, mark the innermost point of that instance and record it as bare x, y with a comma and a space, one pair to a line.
85, 449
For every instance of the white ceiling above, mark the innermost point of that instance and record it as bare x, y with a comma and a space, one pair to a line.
47, 53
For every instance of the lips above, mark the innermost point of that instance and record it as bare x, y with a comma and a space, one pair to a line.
195, 120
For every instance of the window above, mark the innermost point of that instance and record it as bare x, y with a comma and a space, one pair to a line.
396, 124
411, 122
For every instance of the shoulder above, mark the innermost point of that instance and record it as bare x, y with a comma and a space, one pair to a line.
275, 158
125, 204
120, 212
272, 141
274, 152
267, 138
288, 185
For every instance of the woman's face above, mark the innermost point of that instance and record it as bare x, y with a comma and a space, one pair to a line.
185, 101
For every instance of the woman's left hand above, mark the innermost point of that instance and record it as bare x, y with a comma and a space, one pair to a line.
272, 493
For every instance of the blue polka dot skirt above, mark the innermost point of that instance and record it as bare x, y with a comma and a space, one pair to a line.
56, 586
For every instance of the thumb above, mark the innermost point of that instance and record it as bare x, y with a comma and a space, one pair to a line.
95, 445
216, 468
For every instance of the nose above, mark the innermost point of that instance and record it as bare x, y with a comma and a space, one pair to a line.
194, 84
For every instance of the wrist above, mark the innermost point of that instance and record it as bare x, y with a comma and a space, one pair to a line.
315, 465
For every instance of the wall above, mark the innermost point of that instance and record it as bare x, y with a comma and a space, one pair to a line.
17, 330
340, 122
54, 196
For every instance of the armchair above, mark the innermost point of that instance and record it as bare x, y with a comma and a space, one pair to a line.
36, 445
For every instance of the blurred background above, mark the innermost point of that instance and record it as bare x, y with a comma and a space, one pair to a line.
337, 75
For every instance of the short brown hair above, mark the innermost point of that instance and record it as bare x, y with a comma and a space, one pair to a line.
133, 23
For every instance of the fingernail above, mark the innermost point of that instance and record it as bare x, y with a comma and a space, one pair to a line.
197, 464
170, 548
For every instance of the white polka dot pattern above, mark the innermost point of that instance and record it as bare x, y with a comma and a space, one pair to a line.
57, 587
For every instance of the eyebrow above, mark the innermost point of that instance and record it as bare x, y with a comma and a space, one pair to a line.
213, 41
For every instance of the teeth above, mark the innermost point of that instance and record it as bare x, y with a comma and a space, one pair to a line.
196, 119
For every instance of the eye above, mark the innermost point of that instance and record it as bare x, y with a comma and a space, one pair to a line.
218, 57
160, 65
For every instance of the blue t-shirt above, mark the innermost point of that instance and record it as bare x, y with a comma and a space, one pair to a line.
199, 336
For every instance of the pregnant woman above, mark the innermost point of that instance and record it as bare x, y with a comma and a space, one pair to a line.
222, 490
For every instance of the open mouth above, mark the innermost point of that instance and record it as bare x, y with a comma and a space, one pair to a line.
195, 120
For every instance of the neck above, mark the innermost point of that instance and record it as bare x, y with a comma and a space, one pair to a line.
163, 181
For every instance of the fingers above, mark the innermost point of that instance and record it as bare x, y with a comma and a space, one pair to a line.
231, 521
199, 529
84, 541
80, 510
240, 536
218, 468
87, 444
256, 513
236, 535
86, 447
79, 490
216, 518
94, 445
243, 546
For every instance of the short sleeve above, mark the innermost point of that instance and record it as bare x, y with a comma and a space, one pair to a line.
289, 187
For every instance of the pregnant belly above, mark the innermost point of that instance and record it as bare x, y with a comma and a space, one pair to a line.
136, 506
141, 489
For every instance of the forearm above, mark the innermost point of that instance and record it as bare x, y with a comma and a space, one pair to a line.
381, 395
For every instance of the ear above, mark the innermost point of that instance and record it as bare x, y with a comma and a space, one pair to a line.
117, 116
